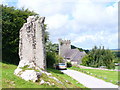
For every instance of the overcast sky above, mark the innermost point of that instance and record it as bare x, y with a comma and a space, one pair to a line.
85, 22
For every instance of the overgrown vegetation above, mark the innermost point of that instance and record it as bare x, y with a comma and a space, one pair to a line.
52, 54
53, 58
109, 76
99, 57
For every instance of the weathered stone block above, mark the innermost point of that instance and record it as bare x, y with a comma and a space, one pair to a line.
30, 75
31, 49
31, 44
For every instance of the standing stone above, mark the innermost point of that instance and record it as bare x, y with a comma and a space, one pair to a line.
31, 49
31, 44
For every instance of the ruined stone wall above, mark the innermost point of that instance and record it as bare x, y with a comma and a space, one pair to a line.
31, 44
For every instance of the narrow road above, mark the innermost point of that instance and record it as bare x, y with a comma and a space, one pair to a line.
88, 81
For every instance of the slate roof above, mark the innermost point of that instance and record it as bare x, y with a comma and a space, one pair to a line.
73, 55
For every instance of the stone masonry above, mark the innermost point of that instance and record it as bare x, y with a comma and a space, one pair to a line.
31, 49
31, 44
70, 55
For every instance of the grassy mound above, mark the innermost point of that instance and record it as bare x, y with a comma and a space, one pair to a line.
9, 80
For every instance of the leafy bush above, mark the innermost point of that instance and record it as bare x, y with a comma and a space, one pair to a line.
85, 60
52, 58
69, 64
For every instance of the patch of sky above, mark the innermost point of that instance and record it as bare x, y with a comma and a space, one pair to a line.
10, 2
71, 17
110, 4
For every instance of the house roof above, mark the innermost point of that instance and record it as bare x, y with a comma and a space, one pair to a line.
73, 54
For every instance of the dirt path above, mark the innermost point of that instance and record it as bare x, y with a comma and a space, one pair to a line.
88, 81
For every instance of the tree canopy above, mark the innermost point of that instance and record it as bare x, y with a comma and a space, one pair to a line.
99, 57
12, 21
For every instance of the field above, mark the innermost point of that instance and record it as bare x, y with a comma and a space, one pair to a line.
109, 76
9, 80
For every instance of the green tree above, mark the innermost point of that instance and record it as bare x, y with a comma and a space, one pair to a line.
99, 57
52, 54
85, 60
12, 21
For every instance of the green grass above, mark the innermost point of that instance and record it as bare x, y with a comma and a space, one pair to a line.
117, 67
9, 80
109, 76
72, 83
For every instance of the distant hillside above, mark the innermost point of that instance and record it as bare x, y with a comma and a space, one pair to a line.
115, 49
56, 46
80, 49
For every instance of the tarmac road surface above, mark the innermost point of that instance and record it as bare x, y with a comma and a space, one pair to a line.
87, 80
